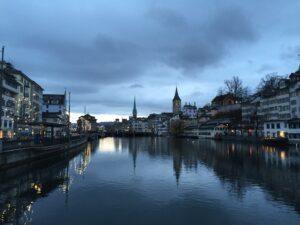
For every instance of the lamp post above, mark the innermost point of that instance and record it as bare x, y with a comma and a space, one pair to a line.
69, 121
1, 90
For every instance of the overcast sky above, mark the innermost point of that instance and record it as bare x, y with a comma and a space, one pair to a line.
107, 52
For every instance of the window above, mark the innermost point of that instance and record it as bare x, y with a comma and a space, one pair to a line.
268, 126
5, 123
272, 126
278, 125
293, 102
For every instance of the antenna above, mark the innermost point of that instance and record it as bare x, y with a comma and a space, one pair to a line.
299, 63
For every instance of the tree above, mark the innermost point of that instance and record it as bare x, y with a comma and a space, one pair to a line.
221, 91
234, 86
269, 83
176, 127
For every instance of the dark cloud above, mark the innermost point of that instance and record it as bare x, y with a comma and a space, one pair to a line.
107, 53
168, 18
136, 86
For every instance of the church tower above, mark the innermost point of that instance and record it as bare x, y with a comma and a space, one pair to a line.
134, 111
176, 103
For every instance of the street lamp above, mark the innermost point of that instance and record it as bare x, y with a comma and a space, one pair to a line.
1, 87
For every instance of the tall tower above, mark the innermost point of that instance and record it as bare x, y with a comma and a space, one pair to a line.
176, 103
134, 111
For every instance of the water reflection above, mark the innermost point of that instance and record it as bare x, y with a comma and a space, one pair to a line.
20, 187
237, 167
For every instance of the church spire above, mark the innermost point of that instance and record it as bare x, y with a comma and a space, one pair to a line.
134, 111
176, 96
176, 103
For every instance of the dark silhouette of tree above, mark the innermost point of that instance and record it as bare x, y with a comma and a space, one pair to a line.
269, 84
234, 86
176, 127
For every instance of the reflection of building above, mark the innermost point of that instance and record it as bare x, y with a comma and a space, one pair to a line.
23, 187
177, 164
86, 123
84, 160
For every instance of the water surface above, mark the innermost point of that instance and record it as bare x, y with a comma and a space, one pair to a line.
156, 181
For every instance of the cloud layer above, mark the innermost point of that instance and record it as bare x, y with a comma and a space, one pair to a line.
106, 52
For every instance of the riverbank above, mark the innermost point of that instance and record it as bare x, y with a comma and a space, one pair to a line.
16, 156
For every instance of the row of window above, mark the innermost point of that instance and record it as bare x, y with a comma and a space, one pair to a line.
280, 108
294, 136
273, 125
7, 124
295, 125
275, 101
295, 93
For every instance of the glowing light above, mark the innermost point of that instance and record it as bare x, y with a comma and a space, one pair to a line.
282, 155
282, 134
107, 145
250, 151
37, 188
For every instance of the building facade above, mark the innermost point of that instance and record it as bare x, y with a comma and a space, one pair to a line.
23, 102
189, 111
10, 90
275, 112
55, 112
86, 123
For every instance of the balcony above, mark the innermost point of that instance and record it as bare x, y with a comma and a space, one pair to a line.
11, 86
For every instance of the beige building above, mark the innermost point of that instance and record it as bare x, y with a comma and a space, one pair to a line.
86, 123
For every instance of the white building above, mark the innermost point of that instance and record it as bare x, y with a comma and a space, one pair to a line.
189, 111
275, 112
139, 125
23, 102
30, 97
10, 90
55, 112
161, 124
281, 110
294, 123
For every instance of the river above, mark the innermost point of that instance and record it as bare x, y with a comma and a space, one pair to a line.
139, 181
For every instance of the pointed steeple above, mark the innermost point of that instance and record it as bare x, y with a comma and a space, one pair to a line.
134, 111
176, 96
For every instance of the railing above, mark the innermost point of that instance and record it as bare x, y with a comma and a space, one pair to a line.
31, 142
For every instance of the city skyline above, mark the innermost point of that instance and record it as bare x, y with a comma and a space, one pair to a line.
106, 53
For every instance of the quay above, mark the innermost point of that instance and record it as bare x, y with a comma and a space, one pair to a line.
26, 151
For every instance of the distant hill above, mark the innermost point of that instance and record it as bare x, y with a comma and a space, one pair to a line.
105, 124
